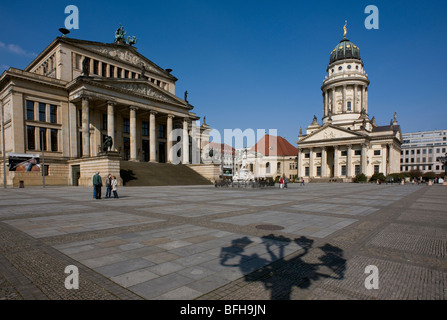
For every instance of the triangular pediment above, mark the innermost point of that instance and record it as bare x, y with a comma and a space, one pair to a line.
141, 88
330, 132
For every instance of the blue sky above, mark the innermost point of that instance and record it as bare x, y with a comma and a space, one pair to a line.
260, 64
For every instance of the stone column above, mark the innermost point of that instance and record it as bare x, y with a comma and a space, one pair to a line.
366, 99
299, 170
133, 133
169, 138
311, 163
390, 158
364, 159
336, 164
185, 140
363, 98
349, 162
85, 127
73, 130
333, 107
326, 104
152, 146
111, 122
344, 104
323, 162
354, 100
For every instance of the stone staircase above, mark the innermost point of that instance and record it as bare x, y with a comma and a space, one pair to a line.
159, 174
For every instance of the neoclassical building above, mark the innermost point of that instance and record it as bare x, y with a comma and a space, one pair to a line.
76, 93
347, 142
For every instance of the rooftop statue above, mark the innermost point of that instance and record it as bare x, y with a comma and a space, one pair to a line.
119, 35
132, 40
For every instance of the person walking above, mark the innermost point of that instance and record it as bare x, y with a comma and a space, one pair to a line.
97, 184
281, 183
302, 181
114, 187
109, 186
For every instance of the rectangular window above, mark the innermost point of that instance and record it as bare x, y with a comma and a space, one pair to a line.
118, 72
377, 152
307, 155
349, 105
306, 171
43, 138
29, 110
112, 72
126, 125
126, 74
318, 154
95, 67
344, 153
31, 137
357, 169
358, 152
145, 128
77, 61
54, 140
79, 117
104, 69
318, 171
430, 151
161, 131
42, 108
418, 151
343, 170
424, 151
53, 113
376, 169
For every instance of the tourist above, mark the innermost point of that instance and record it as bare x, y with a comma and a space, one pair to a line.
109, 186
97, 184
281, 183
302, 181
114, 185
286, 180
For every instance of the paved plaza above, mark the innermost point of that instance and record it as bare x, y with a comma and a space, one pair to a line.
207, 243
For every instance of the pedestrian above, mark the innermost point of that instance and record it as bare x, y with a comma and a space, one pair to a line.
114, 185
109, 186
286, 180
302, 181
281, 183
97, 184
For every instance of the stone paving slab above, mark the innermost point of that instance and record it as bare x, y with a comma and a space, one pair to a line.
201, 242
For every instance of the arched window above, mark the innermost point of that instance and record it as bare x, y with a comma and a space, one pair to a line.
267, 167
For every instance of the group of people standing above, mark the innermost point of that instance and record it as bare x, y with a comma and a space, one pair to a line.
111, 185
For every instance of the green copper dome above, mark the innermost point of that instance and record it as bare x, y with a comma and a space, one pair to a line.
345, 50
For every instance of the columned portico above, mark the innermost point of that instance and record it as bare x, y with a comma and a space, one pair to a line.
324, 162
152, 146
133, 133
169, 137
85, 127
364, 159
336, 162
111, 122
185, 140
349, 162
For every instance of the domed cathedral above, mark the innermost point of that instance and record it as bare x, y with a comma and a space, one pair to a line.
347, 142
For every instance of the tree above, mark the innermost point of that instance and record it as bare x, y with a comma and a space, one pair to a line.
415, 173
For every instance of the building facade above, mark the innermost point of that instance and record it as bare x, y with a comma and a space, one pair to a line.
347, 142
271, 157
420, 151
77, 94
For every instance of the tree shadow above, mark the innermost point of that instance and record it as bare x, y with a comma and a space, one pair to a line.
279, 275
127, 175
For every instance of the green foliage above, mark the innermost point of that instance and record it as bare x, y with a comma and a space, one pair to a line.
360, 178
415, 173
395, 177
429, 175
378, 176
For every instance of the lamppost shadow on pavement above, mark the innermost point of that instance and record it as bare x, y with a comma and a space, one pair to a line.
279, 275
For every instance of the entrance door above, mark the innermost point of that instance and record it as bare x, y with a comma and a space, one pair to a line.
161, 152
146, 150
126, 155
75, 174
